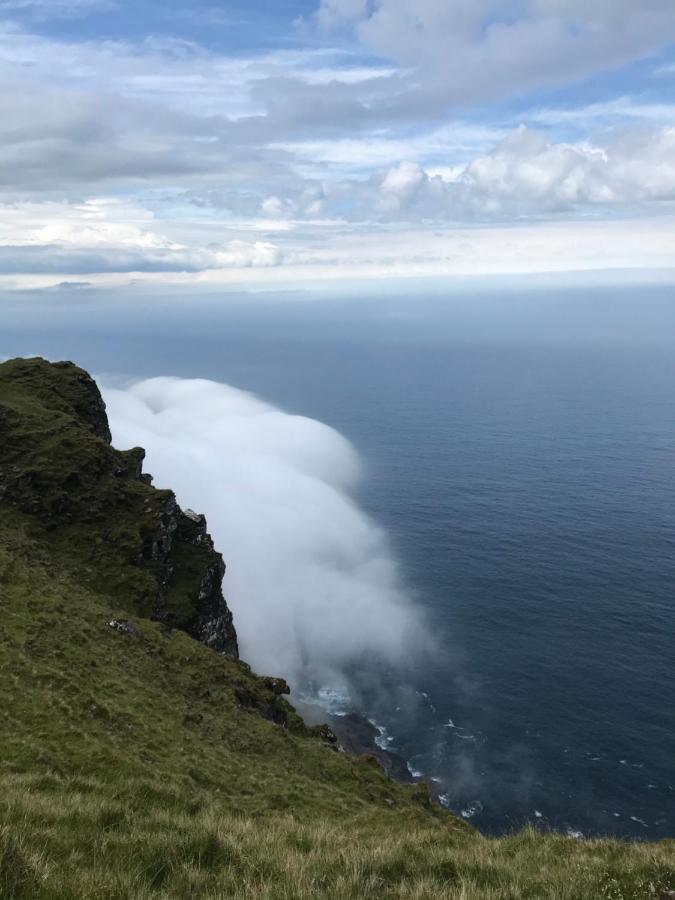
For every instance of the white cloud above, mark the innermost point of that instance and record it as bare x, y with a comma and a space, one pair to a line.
318, 227
76, 114
105, 235
622, 111
348, 75
310, 579
349, 255
482, 49
461, 140
578, 245
234, 163
527, 173
524, 175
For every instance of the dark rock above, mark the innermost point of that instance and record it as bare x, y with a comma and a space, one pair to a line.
213, 625
157, 544
91, 408
195, 531
276, 685
326, 733
197, 518
357, 736
134, 462
211, 620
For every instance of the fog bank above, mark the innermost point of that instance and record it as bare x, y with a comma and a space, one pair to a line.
314, 590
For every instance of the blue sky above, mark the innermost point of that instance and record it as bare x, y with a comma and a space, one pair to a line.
233, 27
297, 143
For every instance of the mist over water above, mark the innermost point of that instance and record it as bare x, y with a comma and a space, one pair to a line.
310, 579
507, 462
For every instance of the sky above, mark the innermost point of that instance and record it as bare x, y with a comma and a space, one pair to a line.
289, 144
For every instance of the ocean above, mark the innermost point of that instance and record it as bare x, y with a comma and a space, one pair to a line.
519, 449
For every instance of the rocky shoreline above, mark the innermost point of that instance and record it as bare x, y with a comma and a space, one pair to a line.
357, 736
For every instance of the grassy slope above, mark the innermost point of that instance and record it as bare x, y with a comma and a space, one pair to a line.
142, 764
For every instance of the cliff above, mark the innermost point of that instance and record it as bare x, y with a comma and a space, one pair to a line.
119, 534
141, 758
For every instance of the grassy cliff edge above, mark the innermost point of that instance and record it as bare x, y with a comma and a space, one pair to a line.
141, 758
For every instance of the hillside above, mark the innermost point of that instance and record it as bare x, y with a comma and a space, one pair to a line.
140, 757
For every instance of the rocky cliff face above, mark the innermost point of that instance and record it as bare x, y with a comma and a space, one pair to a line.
98, 509
188, 561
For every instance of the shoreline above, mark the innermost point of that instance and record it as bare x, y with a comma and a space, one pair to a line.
357, 736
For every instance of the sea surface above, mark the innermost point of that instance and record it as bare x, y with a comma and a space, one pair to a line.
520, 453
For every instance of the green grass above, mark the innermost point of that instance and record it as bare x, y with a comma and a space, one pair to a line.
80, 837
143, 764
79, 696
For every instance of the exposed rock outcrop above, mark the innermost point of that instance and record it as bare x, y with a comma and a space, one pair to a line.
355, 735
58, 465
89, 403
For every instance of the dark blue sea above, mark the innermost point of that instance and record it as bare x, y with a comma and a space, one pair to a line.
520, 453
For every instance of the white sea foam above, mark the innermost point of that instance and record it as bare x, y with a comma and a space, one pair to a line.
473, 809
383, 740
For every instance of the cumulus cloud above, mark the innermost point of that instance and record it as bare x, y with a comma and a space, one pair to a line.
243, 163
315, 592
526, 174
395, 220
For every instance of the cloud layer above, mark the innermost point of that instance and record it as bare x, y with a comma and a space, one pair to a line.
147, 153
468, 50
315, 592
526, 174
